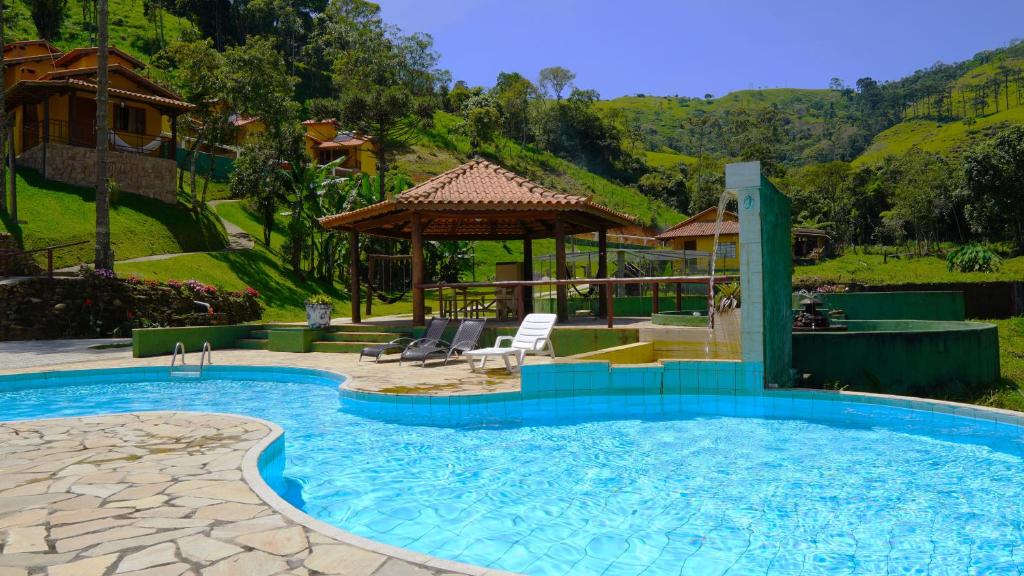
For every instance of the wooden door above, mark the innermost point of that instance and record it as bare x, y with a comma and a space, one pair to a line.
30, 127
83, 126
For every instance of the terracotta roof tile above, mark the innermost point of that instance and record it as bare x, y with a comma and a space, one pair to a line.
480, 185
700, 229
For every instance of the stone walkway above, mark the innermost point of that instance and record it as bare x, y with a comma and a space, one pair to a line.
166, 494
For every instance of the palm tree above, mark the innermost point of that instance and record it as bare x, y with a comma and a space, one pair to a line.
104, 257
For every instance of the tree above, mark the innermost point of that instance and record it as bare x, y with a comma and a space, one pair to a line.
554, 80
386, 89
922, 195
255, 177
198, 72
994, 183
257, 83
667, 185
481, 120
104, 255
513, 93
3, 122
48, 15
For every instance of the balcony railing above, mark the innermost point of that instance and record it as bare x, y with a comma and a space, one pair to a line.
84, 135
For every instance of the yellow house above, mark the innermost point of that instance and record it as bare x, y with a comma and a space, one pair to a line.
51, 106
698, 234
326, 143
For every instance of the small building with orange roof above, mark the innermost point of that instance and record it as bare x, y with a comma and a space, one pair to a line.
51, 97
697, 233
326, 142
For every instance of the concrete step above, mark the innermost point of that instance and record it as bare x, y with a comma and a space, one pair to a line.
252, 343
259, 334
368, 328
362, 336
346, 347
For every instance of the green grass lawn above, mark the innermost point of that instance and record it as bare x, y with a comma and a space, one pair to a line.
669, 160
54, 213
1011, 363
873, 269
262, 268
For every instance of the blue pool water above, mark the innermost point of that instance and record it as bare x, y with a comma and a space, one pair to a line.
626, 485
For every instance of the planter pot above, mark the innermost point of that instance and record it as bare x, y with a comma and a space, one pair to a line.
318, 315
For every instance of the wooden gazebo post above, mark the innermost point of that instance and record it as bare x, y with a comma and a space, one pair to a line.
353, 252
528, 273
602, 272
416, 251
561, 290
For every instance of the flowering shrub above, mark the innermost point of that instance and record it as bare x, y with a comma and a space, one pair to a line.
99, 304
105, 273
251, 292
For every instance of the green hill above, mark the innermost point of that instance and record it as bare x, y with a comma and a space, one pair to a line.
967, 120
130, 29
934, 136
662, 121
441, 148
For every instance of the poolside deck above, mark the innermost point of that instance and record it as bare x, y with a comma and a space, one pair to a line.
386, 376
164, 494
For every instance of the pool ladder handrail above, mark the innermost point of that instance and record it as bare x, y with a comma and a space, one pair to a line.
205, 357
180, 346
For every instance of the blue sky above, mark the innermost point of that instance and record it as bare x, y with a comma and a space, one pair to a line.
690, 48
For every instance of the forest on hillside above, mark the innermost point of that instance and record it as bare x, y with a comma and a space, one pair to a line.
284, 60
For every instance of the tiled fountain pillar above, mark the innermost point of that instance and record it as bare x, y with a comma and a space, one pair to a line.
766, 269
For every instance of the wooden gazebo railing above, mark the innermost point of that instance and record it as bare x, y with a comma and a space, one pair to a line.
518, 287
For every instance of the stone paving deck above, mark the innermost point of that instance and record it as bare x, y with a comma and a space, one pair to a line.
165, 494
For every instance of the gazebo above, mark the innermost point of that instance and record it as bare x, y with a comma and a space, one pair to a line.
478, 200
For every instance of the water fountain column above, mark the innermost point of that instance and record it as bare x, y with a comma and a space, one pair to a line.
766, 267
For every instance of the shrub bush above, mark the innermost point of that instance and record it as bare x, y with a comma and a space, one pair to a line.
973, 258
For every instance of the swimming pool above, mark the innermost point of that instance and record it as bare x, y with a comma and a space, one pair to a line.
620, 484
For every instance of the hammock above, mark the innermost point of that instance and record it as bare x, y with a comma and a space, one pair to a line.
123, 146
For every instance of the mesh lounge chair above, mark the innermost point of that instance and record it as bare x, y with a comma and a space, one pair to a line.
435, 328
466, 338
533, 337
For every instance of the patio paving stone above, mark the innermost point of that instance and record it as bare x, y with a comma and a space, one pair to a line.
162, 512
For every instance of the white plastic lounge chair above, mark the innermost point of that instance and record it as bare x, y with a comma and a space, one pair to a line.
533, 337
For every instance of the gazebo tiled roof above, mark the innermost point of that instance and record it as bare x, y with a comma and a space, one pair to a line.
480, 200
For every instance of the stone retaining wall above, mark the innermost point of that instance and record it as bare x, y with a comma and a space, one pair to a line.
147, 176
48, 308
15, 265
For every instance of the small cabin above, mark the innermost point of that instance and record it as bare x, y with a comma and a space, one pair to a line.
697, 234
326, 142
50, 97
